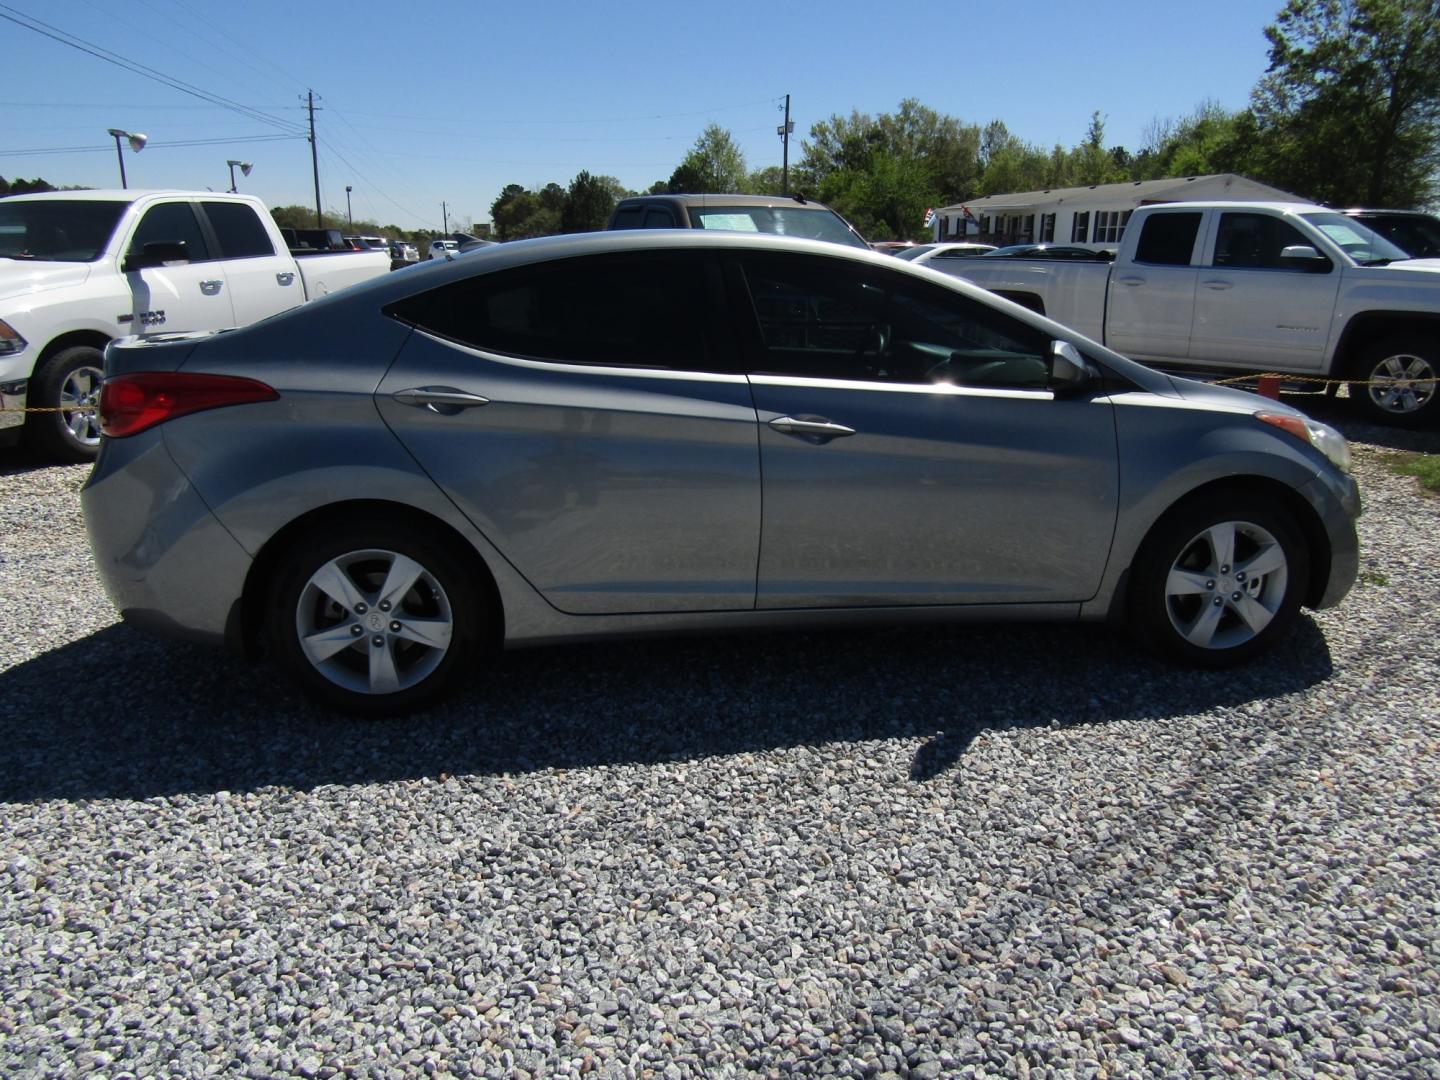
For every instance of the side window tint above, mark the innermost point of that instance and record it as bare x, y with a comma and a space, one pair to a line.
1168, 239
171, 223
621, 311
659, 217
823, 318
1255, 241
628, 217
239, 231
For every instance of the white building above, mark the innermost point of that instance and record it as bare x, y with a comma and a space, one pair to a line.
1094, 217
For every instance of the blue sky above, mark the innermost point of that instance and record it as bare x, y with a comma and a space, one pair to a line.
424, 102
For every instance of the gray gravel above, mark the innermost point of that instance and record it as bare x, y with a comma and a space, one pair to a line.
976, 851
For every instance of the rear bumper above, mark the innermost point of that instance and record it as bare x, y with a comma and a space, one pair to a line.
167, 564
12, 400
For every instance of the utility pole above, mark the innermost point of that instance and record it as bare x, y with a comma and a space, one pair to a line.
784, 131
349, 218
444, 218
315, 161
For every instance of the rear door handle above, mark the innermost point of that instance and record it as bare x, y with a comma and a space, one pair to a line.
1131, 280
445, 400
211, 288
285, 277
813, 428
1217, 285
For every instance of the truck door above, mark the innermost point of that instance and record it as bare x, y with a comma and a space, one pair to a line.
1256, 308
1151, 302
263, 281
179, 296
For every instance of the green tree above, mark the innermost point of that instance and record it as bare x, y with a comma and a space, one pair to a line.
714, 164
24, 187
588, 204
1349, 109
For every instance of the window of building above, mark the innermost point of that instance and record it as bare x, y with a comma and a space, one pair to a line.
238, 229
649, 311
1168, 238
823, 318
1080, 230
1110, 226
1047, 228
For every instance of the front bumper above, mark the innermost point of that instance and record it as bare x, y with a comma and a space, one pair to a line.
1336, 497
167, 563
13, 396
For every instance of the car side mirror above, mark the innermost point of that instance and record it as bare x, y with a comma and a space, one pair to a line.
1304, 257
156, 254
1069, 373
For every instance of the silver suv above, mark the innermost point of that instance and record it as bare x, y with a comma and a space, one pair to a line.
782, 215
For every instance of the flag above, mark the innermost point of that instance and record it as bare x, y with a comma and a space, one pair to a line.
929, 216
965, 211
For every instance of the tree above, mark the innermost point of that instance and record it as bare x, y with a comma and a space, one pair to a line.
24, 187
588, 204
1349, 109
714, 164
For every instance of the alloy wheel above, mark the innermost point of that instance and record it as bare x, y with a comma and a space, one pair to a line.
1403, 383
1226, 585
80, 404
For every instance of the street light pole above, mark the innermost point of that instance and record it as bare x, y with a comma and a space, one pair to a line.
245, 168
784, 131
137, 143
349, 218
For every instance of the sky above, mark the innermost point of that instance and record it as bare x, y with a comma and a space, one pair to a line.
426, 103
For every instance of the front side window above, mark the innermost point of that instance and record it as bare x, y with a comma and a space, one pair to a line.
238, 230
171, 223
59, 230
648, 311
825, 318
1255, 242
1168, 239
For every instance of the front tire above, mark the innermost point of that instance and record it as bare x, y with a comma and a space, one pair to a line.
375, 619
70, 381
1396, 381
1219, 582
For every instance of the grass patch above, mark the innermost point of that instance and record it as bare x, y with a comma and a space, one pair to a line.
1372, 577
1425, 467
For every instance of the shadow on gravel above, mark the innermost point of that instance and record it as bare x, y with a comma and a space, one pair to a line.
121, 715
17, 460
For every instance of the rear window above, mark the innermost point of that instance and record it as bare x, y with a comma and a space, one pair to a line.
807, 223
628, 217
238, 230
1168, 239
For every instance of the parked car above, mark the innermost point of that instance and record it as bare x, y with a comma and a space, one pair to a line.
926, 253
403, 254
1050, 251
648, 432
891, 247
1415, 233
439, 248
1252, 287
80, 268
779, 214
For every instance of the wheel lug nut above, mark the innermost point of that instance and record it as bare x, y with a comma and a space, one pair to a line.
1224, 569
361, 608
395, 627
384, 605
1235, 596
377, 641
357, 630
1240, 576
1210, 585
1219, 600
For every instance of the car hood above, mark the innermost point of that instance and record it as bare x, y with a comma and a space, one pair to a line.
22, 277
1406, 269
1228, 398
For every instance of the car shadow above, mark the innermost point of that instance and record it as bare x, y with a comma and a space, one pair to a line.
121, 715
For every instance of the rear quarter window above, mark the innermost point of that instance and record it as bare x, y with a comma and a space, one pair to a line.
1168, 239
238, 230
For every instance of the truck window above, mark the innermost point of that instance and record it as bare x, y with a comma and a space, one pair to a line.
1168, 239
628, 217
171, 223
659, 217
239, 231
1254, 241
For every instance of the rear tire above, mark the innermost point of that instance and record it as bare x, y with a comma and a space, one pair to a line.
1219, 582
373, 618
1403, 374
70, 377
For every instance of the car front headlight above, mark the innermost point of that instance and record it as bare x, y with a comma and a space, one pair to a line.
10, 340
1322, 437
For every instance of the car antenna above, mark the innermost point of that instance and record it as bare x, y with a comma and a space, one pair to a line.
799, 198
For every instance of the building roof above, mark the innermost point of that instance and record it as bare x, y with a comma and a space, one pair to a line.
1140, 190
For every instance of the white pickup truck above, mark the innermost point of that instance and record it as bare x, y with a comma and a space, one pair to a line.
81, 268
1250, 287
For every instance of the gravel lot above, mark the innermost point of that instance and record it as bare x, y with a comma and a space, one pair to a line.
1000, 851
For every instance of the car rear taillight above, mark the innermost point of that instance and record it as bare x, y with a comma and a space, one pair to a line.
129, 404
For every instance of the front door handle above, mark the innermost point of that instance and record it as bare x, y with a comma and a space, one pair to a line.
813, 428
445, 400
1131, 280
285, 277
211, 288
1218, 286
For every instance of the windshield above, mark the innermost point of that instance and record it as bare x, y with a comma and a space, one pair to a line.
1361, 243
911, 253
59, 230
1418, 235
807, 223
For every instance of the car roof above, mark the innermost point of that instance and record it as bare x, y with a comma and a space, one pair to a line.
721, 199
126, 195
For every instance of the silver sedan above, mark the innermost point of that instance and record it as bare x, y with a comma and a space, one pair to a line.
649, 431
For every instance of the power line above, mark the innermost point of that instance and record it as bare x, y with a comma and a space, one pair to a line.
169, 144
374, 186
601, 120
29, 22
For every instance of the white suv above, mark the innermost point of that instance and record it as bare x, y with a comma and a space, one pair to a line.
438, 248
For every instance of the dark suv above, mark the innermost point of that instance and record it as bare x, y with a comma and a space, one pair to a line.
785, 215
1415, 233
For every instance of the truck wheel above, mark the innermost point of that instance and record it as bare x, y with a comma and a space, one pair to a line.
1219, 582
1399, 379
70, 381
